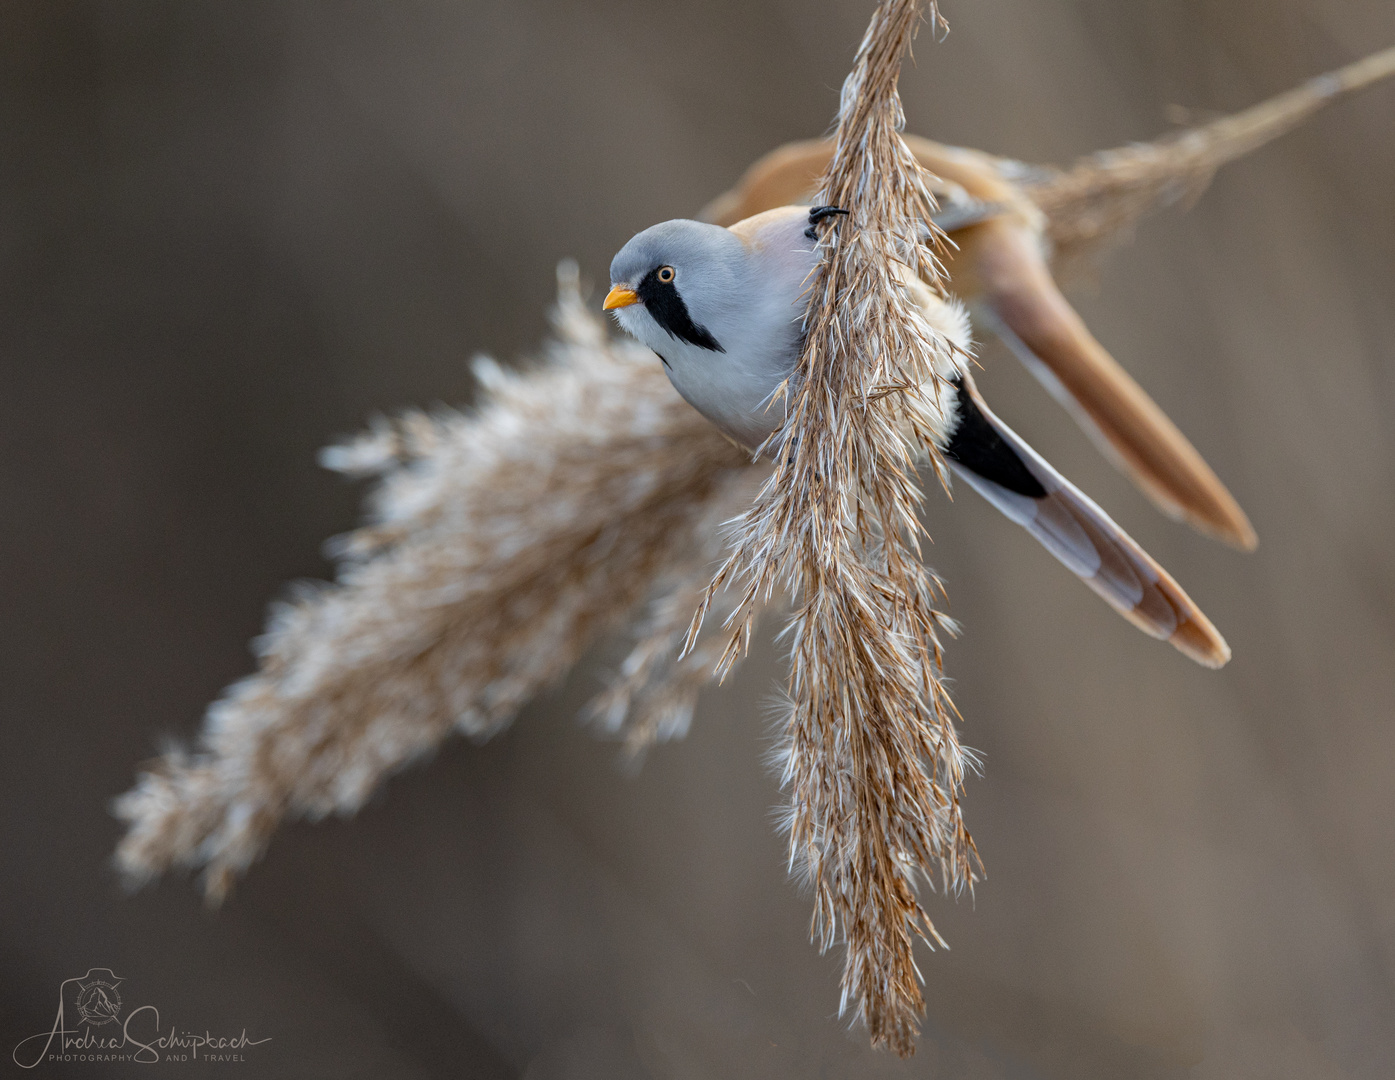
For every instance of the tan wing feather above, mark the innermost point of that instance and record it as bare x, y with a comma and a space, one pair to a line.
1124, 421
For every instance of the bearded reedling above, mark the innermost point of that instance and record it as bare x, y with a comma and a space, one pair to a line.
724, 310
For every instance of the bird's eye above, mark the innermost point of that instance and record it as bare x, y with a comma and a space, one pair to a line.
665, 274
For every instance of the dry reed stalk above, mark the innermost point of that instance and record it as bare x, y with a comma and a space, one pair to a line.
1102, 196
871, 763
502, 543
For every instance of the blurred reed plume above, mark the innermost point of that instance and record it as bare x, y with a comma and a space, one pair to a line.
584, 494
872, 765
1102, 196
502, 543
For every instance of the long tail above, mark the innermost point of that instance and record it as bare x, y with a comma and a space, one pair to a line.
995, 461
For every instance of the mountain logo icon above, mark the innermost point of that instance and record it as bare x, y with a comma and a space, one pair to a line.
98, 1001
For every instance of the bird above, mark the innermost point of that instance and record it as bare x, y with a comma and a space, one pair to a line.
1001, 262
723, 307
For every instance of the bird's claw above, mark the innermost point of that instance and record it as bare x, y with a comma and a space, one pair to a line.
822, 213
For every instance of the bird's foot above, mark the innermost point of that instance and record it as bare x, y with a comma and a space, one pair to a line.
822, 213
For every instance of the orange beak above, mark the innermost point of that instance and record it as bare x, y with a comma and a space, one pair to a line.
619, 297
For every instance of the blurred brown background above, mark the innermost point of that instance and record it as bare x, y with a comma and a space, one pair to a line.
231, 232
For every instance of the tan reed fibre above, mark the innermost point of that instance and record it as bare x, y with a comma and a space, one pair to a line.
653, 695
872, 765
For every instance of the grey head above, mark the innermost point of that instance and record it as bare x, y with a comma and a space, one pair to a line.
678, 281
722, 308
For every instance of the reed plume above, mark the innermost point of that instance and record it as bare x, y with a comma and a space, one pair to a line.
501, 543
1101, 197
1079, 211
871, 762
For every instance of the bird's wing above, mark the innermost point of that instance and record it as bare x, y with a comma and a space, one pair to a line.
998, 265
957, 214
1029, 313
1001, 467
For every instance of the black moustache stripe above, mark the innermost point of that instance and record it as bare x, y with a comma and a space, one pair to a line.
663, 303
